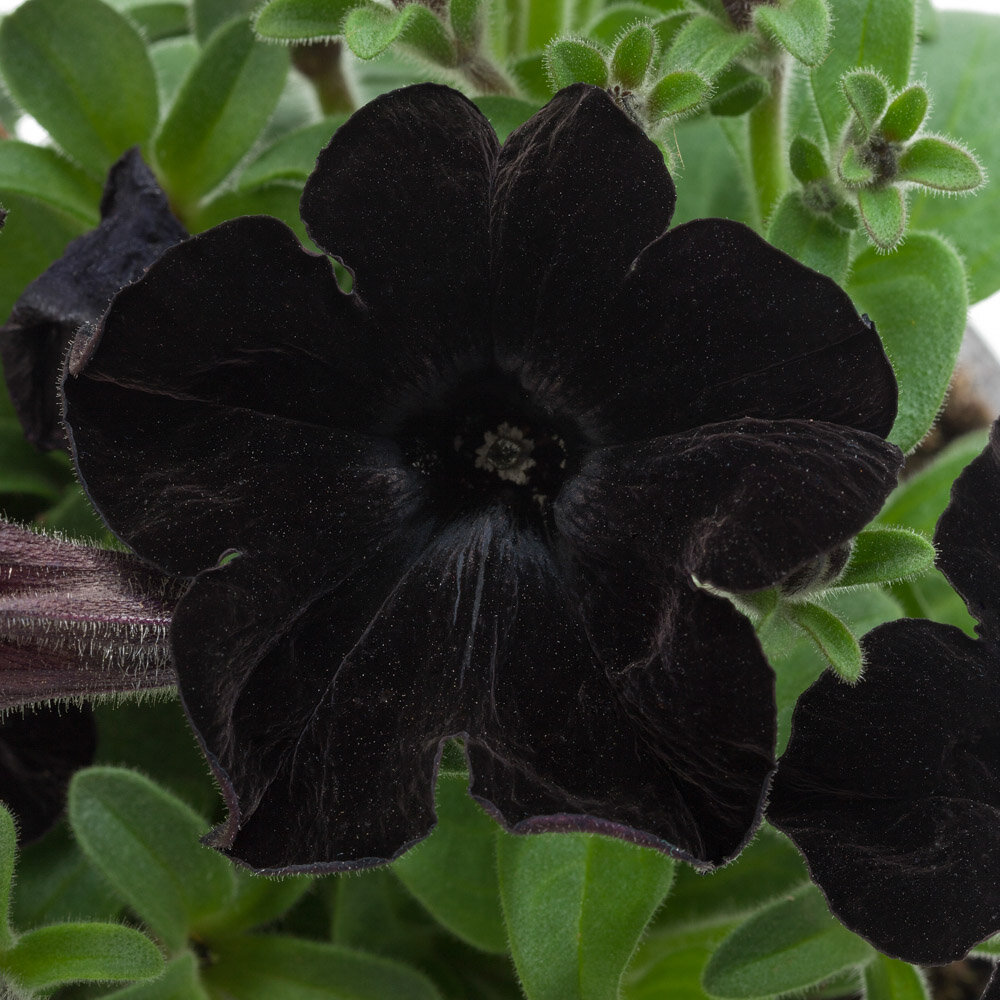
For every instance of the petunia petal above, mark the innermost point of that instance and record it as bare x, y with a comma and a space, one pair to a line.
714, 324
204, 412
401, 196
580, 191
891, 789
136, 227
738, 505
40, 749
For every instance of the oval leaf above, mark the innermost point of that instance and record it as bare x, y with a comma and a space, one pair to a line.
632, 56
905, 114
146, 843
576, 906
676, 94
890, 979
82, 70
301, 20
223, 104
941, 165
883, 211
813, 239
867, 95
885, 555
570, 60
707, 46
369, 31
40, 172
790, 946
918, 302
69, 953
831, 636
802, 27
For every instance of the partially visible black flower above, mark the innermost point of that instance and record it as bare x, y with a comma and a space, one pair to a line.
476, 497
136, 227
40, 749
891, 789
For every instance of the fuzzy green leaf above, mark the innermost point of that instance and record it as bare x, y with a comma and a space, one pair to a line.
813, 239
790, 946
468, 18
890, 979
146, 844
802, 27
69, 953
301, 20
207, 16
8, 858
885, 555
706, 46
82, 70
180, 981
853, 171
612, 23
633, 55
905, 114
939, 164
918, 302
879, 34
369, 31
284, 968
676, 94
736, 91
883, 211
807, 161
42, 173
572, 60
832, 637
867, 95
292, 157
963, 74
575, 907
223, 104
453, 872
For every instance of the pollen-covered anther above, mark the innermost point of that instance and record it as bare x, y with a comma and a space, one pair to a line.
507, 452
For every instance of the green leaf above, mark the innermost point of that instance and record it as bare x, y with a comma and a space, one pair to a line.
572, 60
831, 636
208, 16
369, 31
890, 979
802, 27
885, 555
883, 211
905, 114
40, 172
468, 19
576, 906
706, 46
610, 24
917, 300
791, 945
453, 872
505, 113
737, 90
179, 981
813, 239
942, 165
853, 171
301, 20
633, 55
670, 968
82, 70
223, 104
876, 34
156, 20
283, 968
292, 157
963, 73
677, 93
989, 947
807, 161
920, 499
867, 95
146, 844
172, 61
259, 901
280, 200
69, 953
25, 470
8, 858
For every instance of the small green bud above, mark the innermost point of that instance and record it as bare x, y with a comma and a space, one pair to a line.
867, 95
883, 211
676, 94
941, 165
905, 114
807, 161
573, 60
633, 55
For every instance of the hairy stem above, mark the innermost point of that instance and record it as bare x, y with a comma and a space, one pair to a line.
768, 164
322, 64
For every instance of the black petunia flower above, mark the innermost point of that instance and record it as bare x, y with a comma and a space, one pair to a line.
891, 789
136, 227
475, 496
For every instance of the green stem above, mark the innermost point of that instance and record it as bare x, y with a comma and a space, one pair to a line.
768, 166
321, 64
485, 76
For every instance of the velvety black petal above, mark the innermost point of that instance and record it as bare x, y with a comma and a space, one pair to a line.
715, 324
738, 505
204, 413
401, 197
580, 191
968, 538
891, 789
136, 227
40, 748
473, 636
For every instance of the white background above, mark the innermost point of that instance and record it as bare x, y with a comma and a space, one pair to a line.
986, 314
